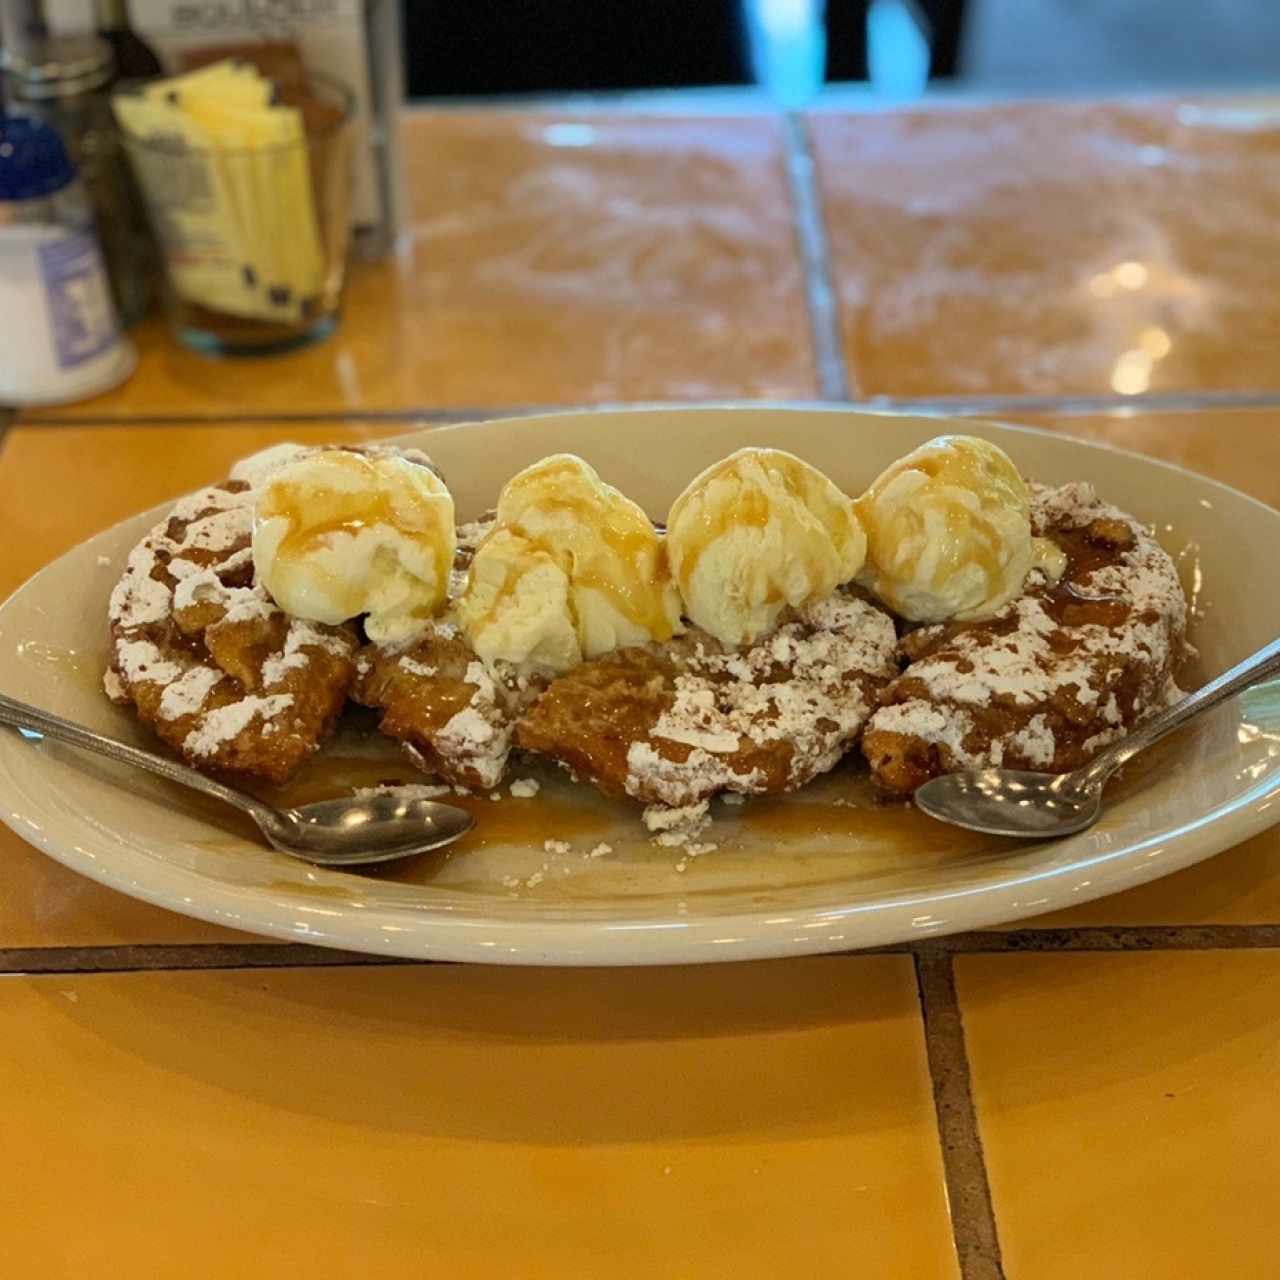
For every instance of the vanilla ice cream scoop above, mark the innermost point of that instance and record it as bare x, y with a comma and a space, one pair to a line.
338, 534
757, 532
572, 569
949, 532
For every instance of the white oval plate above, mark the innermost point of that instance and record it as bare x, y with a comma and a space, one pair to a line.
806, 874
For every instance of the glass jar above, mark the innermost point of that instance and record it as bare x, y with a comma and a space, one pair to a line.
254, 239
65, 81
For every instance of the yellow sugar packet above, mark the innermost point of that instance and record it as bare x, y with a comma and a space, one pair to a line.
243, 215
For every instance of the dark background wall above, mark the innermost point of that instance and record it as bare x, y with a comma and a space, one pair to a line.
1040, 46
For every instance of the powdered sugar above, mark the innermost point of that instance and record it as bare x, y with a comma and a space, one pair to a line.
216, 525
237, 561
675, 781
673, 826
803, 685
469, 728
205, 586
479, 736
406, 791
1035, 742
138, 599
921, 720
114, 687
415, 668
224, 724
480, 742
257, 468
221, 531
275, 668
186, 695
181, 568
478, 675
472, 533
695, 719
141, 660
470, 536
302, 636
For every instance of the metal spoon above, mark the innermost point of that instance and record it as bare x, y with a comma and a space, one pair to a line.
1040, 806
332, 833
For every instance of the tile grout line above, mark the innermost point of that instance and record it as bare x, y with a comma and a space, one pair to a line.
152, 957
125, 958
973, 1222
838, 397
1119, 938
355, 417
815, 255
1094, 938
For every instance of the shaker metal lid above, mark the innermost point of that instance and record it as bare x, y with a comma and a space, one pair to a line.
33, 159
59, 66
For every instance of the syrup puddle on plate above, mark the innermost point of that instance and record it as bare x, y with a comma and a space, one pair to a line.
834, 830
836, 827
76, 667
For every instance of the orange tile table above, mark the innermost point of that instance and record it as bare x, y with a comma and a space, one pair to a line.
1055, 248
218, 1107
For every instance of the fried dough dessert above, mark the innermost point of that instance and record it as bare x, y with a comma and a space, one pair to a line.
565, 568
1054, 676
453, 715
673, 724
745, 647
220, 673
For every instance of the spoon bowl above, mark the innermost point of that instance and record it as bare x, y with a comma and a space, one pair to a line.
351, 832
1011, 802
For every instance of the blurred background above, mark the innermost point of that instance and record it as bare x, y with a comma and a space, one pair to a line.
1000, 47
286, 115
895, 48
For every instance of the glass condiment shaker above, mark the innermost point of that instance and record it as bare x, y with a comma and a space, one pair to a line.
65, 80
59, 336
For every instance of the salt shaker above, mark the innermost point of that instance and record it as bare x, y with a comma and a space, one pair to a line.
60, 336
65, 80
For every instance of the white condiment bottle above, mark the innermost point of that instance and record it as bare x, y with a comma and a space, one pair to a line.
60, 337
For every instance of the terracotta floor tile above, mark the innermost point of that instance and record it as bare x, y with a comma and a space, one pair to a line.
450, 1120
1126, 1104
1055, 247
548, 259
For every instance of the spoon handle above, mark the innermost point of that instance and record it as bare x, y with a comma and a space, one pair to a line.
22, 716
1257, 667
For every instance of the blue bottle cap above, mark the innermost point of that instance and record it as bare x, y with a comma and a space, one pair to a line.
33, 160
